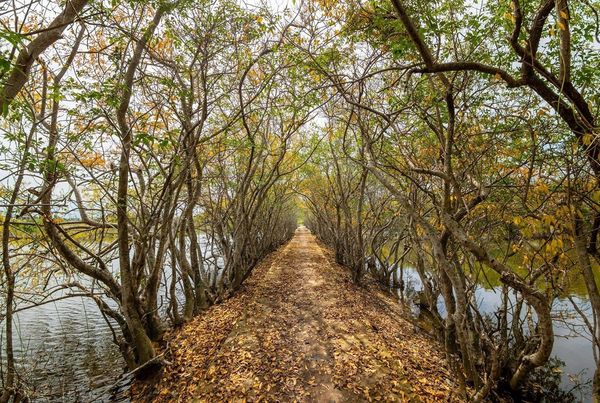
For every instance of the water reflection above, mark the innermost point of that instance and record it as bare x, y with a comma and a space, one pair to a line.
572, 343
65, 352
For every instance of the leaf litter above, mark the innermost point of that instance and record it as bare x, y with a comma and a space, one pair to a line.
300, 330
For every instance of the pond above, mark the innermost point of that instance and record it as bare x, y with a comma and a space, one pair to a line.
65, 350
572, 343
67, 353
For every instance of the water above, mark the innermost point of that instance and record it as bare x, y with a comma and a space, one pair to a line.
65, 352
572, 343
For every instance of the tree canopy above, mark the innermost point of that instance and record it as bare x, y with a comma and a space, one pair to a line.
161, 147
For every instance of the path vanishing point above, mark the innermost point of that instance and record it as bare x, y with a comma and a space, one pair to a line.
300, 330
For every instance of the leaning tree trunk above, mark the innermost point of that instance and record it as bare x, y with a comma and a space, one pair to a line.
594, 294
129, 302
29, 54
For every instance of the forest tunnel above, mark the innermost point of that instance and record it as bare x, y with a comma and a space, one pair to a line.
155, 153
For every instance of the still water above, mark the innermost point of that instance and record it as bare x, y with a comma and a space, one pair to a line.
65, 350
572, 343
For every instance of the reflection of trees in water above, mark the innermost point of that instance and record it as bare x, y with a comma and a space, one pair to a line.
566, 377
66, 352
64, 349
546, 385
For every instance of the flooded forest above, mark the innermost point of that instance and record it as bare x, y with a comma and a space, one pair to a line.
303, 200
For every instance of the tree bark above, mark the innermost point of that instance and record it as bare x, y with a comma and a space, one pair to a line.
129, 301
27, 56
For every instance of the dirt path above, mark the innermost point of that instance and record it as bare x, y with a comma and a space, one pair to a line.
299, 330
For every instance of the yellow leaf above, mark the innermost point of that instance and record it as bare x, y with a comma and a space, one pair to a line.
574, 147
542, 187
548, 219
564, 15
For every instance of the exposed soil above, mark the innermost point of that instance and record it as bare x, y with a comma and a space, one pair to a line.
300, 330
